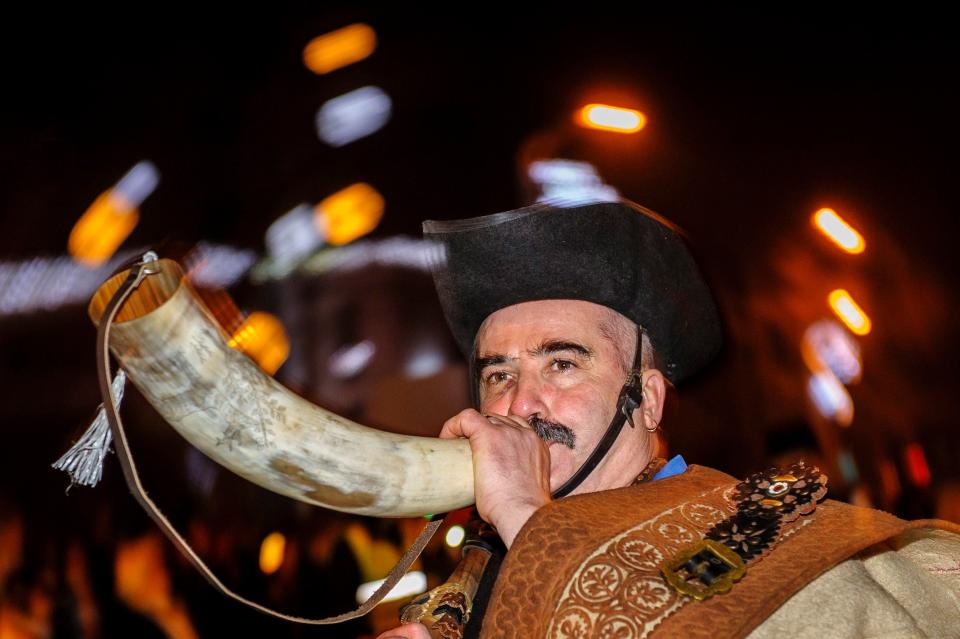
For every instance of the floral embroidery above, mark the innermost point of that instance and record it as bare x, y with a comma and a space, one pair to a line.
617, 591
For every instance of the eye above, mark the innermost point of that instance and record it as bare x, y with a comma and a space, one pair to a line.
563, 365
496, 377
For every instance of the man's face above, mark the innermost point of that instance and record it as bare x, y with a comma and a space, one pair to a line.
550, 360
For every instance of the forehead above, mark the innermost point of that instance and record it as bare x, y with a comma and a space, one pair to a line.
524, 325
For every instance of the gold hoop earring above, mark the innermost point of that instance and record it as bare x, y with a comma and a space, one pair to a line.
656, 425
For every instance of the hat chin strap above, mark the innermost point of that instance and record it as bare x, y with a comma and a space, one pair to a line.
631, 396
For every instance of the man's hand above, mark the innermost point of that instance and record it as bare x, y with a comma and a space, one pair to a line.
511, 468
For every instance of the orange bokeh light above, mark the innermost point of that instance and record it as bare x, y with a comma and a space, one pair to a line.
849, 312
839, 231
339, 48
611, 118
263, 338
272, 549
102, 229
349, 213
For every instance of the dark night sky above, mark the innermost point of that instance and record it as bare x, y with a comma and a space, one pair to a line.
747, 123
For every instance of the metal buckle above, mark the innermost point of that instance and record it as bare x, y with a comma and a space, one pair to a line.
704, 569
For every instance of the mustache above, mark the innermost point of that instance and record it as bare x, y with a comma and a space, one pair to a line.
552, 431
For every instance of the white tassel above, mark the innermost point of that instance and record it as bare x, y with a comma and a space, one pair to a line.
84, 461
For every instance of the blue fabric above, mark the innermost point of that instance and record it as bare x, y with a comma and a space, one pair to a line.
673, 467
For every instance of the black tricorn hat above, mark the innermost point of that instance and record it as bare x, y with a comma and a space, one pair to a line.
616, 254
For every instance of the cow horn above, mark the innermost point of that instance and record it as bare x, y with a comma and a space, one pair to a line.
178, 357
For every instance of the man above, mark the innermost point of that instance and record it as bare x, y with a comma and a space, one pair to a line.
543, 365
575, 319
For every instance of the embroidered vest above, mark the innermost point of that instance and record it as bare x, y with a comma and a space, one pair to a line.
589, 565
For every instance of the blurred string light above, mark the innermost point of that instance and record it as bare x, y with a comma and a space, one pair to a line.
45, 284
412, 583
830, 397
337, 49
827, 345
569, 183
838, 231
425, 361
338, 219
138, 183
611, 118
350, 361
112, 217
272, 550
48, 283
395, 251
455, 536
917, 468
849, 311
219, 266
263, 338
294, 235
351, 116
398, 252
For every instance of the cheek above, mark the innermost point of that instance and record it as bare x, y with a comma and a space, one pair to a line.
496, 405
588, 415
562, 465
580, 411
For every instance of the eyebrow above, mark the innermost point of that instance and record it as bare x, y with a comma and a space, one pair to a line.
547, 347
490, 360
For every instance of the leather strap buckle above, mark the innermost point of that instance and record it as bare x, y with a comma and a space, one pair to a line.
704, 569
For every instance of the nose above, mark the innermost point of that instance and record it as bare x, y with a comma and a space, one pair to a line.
528, 397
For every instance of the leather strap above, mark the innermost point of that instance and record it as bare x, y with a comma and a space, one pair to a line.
631, 395
138, 273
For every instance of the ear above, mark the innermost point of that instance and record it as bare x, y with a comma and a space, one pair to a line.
654, 389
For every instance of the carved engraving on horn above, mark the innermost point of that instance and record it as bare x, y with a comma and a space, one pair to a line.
221, 402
